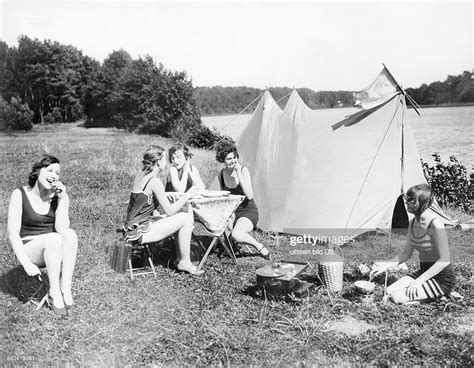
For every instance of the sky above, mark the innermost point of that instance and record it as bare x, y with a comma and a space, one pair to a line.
314, 44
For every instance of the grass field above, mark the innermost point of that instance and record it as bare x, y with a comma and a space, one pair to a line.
216, 319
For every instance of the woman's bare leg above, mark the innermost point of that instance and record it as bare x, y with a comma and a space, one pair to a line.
182, 223
46, 250
241, 231
69, 245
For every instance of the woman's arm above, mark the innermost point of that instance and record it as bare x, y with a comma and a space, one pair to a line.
62, 221
179, 185
195, 177
14, 226
170, 208
244, 179
402, 257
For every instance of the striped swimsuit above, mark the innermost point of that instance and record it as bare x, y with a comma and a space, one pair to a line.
440, 284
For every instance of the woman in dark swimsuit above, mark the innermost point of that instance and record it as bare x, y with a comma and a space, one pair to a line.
148, 192
40, 234
236, 179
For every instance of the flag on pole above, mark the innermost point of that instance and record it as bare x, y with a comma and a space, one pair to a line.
382, 90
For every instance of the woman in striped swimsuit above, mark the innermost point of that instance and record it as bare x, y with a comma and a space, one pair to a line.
426, 234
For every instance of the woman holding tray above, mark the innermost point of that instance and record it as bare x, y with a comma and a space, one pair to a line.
148, 193
236, 179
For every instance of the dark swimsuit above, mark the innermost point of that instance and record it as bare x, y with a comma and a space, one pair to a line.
248, 208
33, 223
139, 212
444, 281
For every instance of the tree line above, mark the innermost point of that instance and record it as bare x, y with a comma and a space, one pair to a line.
46, 82
456, 89
232, 100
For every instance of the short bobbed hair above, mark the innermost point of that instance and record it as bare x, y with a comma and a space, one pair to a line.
223, 149
37, 166
179, 147
423, 197
152, 155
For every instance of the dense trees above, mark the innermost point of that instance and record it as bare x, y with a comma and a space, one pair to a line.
48, 82
454, 90
232, 100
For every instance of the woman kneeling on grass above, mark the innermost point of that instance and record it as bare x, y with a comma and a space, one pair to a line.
235, 178
148, 193
182, 175
38, 229
426, 233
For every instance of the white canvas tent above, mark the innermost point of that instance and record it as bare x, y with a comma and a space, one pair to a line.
341, 178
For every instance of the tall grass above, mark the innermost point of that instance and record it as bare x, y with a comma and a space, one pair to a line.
215, 319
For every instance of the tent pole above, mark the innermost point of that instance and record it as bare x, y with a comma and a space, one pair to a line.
220, 130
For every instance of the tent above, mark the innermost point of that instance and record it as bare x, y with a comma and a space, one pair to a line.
332, 178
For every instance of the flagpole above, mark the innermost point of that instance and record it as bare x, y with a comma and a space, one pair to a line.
400, 88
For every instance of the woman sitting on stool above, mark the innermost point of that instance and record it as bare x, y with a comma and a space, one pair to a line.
148, 193
38, 229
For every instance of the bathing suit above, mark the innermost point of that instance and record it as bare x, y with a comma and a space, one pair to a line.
444, 281
140, 208
169, 185
32, 223
248, 208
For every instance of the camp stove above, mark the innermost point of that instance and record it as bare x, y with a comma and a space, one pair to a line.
281, 279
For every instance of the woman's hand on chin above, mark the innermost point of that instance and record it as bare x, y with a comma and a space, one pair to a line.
59, 188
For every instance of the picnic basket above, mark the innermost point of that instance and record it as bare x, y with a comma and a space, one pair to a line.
330, 271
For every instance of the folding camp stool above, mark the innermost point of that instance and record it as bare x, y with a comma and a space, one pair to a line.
123, 253
140, 251
43, 288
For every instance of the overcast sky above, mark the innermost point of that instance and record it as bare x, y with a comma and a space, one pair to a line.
320, 45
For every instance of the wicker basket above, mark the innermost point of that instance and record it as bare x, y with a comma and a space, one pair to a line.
330, 272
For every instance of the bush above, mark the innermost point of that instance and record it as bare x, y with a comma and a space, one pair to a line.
197, 135
4, 111
450, 182
48, 118
16, 115
57, 115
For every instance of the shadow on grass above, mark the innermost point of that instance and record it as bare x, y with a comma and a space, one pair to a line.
18, 284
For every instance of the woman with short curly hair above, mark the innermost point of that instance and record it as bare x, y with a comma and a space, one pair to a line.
427, 235
236, 179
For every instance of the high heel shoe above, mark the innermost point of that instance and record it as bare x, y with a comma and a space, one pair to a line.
68, 303
60, 312
264, 252
191, 269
